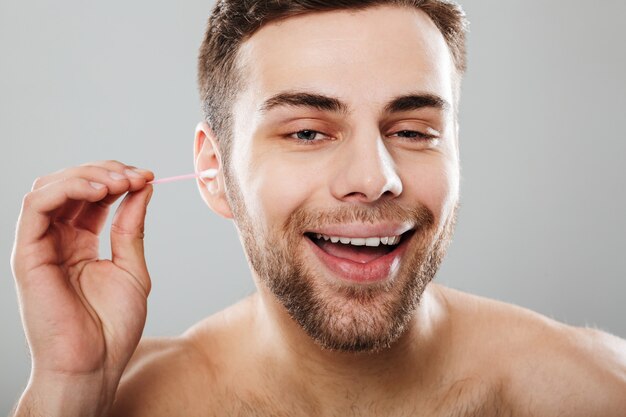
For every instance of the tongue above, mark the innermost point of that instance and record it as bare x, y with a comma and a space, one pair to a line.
360, 254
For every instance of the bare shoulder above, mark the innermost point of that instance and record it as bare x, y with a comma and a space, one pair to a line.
158, 377
544, 367
575, 371
180, 375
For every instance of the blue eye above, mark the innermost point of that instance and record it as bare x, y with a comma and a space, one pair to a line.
307, 135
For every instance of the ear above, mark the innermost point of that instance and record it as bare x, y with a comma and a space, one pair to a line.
207, 155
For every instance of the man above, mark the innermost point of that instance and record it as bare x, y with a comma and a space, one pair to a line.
333, 129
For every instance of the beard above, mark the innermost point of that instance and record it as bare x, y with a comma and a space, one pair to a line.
343, 317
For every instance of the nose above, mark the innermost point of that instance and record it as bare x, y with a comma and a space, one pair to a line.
366, 171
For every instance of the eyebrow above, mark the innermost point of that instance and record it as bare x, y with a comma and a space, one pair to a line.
303, 99
416, 101
407, 102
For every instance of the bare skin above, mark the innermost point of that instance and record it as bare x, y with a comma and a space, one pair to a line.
459, 355
480, 357
83, 316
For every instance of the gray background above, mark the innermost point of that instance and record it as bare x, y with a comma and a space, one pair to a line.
542, 148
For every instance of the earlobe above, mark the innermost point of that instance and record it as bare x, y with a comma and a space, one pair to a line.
207, 156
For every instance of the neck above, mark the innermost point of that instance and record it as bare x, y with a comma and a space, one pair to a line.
290, 350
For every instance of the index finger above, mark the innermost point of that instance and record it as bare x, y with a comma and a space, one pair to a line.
37, 205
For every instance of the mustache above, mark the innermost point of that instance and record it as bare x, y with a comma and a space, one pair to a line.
304, 219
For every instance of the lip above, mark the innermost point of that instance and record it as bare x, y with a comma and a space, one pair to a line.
376, 271
360, 230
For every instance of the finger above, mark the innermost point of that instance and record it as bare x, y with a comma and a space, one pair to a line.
96, 171
127, 232
38, 205
69, 211
92, 173
110, 164
119, 167
117, 182
136, 175
93, 216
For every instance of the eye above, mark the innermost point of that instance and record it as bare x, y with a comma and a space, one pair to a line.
414, 135
308, 135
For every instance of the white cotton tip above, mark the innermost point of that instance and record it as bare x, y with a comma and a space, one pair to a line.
208, 173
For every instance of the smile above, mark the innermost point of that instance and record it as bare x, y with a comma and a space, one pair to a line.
359, 241
360, 260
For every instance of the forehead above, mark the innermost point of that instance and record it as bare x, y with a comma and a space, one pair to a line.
363, 56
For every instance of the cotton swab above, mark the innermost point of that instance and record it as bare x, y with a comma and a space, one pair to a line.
208, 173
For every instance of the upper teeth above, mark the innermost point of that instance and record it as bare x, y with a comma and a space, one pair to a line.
360, 241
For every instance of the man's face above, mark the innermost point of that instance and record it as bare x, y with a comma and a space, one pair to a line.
345, 127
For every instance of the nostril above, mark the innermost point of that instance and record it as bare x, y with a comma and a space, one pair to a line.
365, 198
357, 195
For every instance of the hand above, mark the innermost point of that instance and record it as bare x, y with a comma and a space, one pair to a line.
83, 316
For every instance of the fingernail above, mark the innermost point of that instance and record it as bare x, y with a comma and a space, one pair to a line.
96, 185
116, 175
132, 173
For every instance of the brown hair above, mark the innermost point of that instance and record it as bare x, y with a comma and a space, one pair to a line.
234, 21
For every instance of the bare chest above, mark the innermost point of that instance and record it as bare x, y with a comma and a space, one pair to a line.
460, 400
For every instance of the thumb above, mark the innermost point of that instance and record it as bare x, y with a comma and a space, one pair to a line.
127, 231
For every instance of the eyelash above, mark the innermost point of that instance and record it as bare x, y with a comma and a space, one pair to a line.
305, 141
419, 136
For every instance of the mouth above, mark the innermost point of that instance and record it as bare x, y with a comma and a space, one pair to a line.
361, 260
360, 250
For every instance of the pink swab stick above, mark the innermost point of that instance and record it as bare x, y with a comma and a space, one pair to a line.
208, 173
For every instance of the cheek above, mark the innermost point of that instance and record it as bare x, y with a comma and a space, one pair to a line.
434, 183
276, 190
